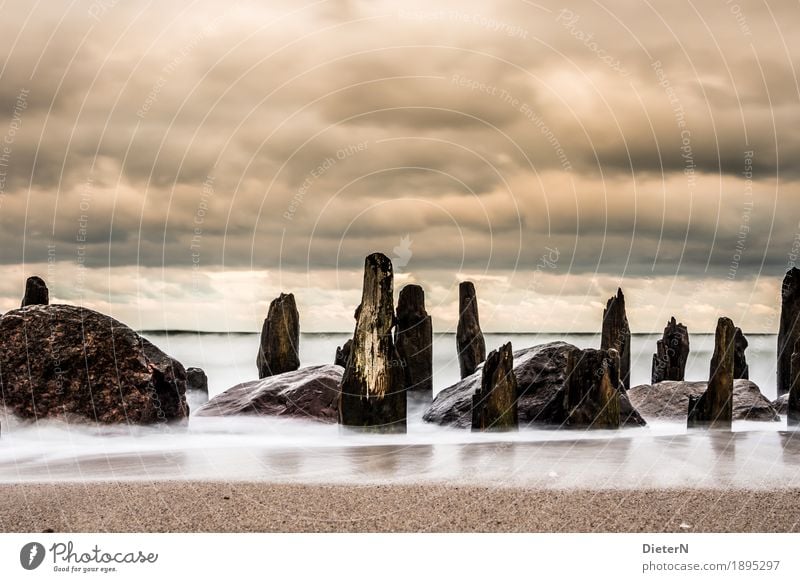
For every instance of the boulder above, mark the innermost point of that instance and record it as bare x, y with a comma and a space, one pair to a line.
197, 381
413, 337
789, 331
373, 384
672, 352
311, 393
494, 405
741, 371
280, 338
343, 354
540, 372
469, 337
780, 404
616, 335
591, 395
669, 400
75, 363
714, 408
36, 292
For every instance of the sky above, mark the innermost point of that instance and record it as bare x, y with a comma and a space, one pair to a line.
179, 164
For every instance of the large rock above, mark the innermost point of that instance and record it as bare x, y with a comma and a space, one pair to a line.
71, 362
669, 400
592, 393
789, 332
36, 292
311, 393
373, 385
494, 405
469, 337
540, 372
672, 352
741, 371
616, 335
279, 348
714, 408
414, 340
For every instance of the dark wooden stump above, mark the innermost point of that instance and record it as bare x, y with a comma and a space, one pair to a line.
793, 410
741, 371
672, 352
714, 408
592, 391
280, 338
343, 354
414, 341
789, 331
494, 404
373, 385
469, 337
36, 292
617, 335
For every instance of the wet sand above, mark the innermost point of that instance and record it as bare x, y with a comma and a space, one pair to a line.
261, 507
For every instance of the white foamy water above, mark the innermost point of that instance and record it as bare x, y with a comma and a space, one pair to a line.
290, 450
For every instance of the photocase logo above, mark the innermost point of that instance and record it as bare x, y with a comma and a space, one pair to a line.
402, 252
31, 555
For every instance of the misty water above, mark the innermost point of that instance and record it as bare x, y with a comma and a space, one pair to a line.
754, 454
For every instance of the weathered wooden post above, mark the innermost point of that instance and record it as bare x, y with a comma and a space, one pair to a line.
36, 292
789, 331
494, 405
592, 394
714, 408
672, 352
414, 341
617, 335
469, 337
280, 338
373, 386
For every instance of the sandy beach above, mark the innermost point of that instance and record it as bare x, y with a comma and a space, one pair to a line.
258, 507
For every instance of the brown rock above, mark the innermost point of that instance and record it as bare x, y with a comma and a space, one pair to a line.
66, 361
373, 385
311, 393
469, 337
280, 338
617, 335
494, 405
669, 400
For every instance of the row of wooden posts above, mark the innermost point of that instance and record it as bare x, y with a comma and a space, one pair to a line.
390, 356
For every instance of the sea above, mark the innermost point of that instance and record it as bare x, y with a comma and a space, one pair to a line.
279, 450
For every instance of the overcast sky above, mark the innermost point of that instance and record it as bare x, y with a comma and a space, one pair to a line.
178, 164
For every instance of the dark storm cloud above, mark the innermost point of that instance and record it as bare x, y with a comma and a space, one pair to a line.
482, 132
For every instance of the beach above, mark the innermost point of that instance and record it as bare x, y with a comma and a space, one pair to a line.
207, 506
